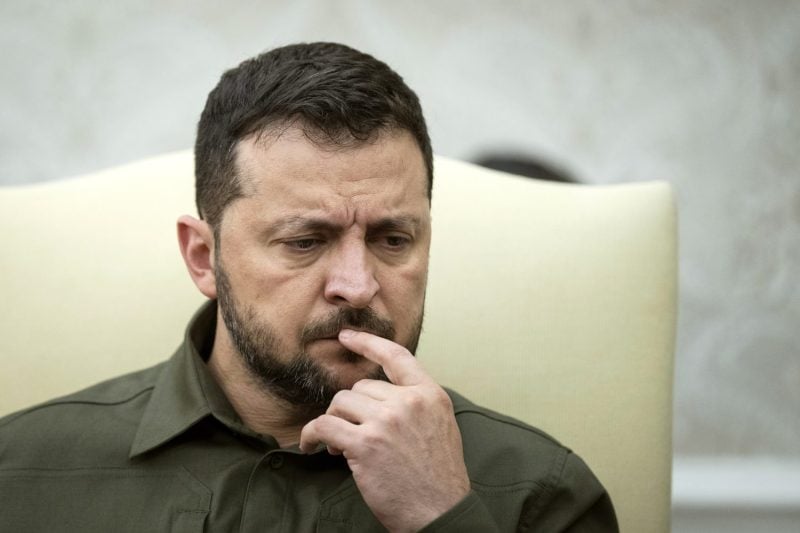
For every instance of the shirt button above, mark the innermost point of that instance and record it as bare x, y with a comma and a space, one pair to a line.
276, 461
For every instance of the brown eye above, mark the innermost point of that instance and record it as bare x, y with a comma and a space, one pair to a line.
303, 245
395, 241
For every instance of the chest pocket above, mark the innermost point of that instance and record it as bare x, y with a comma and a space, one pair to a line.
102, 499
346, 511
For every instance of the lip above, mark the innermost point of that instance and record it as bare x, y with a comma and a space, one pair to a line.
335, 336
359, 330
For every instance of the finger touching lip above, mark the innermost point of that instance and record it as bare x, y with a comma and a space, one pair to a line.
400, 365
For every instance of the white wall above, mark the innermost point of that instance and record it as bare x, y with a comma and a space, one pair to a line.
736, 495
705, 94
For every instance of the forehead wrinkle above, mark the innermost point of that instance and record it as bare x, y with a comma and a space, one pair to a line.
312, 223
253, 152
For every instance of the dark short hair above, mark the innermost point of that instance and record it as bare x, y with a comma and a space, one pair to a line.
337, 95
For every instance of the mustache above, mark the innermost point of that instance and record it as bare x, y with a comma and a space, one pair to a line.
365, 319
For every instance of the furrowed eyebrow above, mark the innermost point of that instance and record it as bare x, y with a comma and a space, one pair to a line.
303, 224
400, 223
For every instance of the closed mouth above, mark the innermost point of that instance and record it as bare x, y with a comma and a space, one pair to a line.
335, 336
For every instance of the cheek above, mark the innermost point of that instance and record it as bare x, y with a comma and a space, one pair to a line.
405, 289
284, 299
418, 275
290, 304
268, 281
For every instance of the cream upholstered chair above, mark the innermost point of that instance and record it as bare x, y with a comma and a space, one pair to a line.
552, 303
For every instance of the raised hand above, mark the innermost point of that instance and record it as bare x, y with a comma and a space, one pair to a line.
400, 439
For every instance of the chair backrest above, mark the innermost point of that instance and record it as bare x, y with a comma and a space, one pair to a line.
552, 303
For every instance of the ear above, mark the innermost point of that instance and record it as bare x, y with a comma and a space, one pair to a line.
196, 239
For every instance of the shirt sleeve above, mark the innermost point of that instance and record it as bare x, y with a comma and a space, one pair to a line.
470, 515
577, 503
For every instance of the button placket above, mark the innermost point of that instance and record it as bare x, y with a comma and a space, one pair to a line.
267, 494
276, 461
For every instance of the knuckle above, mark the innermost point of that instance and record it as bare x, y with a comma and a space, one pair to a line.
340, 398
396, 351
391, 419
373, 439
415, 401
317, 425
418, 399
441, 397
339, 402
324, 423
360, 385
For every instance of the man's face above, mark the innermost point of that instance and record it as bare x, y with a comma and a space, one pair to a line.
324, 238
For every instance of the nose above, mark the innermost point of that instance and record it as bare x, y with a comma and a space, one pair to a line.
351, 277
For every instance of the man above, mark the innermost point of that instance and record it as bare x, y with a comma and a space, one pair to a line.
295, 402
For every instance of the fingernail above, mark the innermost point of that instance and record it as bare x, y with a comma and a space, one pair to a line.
346, 333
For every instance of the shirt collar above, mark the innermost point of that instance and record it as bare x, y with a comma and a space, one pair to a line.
185, 391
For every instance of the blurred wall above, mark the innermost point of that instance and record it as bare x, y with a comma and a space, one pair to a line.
703, 94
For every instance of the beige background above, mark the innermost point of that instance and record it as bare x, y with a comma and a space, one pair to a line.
703, 94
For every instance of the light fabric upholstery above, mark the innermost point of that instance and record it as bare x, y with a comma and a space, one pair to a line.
552, 303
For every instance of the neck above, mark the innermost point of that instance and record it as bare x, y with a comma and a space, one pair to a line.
261, 411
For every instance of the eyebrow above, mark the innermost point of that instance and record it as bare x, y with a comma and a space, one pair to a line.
312, 224
398, 223
298, 223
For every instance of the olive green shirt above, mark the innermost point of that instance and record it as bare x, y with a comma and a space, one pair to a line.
163, 450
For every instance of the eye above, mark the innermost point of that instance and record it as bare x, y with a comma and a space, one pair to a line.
303, 245
394, 242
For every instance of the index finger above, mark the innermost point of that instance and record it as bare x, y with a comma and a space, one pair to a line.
400, 366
